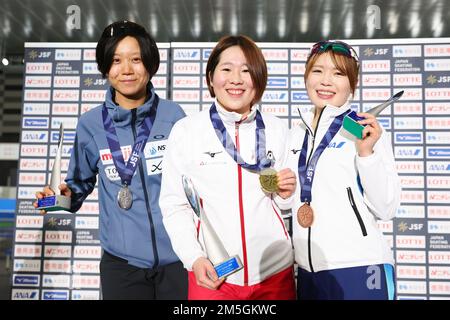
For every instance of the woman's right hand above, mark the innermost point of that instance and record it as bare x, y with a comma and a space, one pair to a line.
64, 189
205, 274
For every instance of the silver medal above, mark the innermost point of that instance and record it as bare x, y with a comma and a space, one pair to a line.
125, 198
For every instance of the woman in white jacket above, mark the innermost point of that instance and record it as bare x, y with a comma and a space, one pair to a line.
346, 183
223, 151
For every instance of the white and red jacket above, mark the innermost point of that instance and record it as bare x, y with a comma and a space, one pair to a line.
348, 193
247, 220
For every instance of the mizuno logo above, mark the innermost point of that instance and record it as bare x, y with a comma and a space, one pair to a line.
212, 154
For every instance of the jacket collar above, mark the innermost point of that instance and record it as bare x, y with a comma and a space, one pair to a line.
121, 116
328, 114
230, 117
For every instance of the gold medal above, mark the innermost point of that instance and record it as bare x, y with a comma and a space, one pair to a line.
305, 215
269, 180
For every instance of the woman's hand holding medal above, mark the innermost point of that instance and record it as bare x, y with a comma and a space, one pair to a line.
287, 183
282, 182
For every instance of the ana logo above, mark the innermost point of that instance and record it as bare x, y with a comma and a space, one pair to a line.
186, 54
408, 152
206, 53
275, 96
34, 136
438, 167
336, 145
25, 294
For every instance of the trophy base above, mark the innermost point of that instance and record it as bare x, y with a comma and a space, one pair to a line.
351, 125
54, 203
230, 266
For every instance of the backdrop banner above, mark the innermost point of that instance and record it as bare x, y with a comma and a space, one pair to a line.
56, 256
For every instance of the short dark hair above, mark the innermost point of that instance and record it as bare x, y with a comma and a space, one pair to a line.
111, 37
255, 62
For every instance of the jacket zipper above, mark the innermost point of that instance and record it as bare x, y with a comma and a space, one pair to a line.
355, 210
241, 208
144, 187
307, 162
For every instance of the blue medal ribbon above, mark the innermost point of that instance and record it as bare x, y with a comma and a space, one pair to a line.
261, 160
127, 170
306, 171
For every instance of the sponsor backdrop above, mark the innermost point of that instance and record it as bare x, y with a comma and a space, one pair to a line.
57, 256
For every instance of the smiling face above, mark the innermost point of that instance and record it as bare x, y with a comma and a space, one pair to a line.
128, 75
326, 84
232, 82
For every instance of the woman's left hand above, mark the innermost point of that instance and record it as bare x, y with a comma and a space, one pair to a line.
287, 183
370, 135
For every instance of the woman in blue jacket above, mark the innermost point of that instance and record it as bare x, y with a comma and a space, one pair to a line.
123, 141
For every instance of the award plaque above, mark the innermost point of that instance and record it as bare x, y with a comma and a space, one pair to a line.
216, 252
55, 202
351, 120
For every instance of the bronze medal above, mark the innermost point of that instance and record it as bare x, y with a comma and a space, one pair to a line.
305, 215
268, 180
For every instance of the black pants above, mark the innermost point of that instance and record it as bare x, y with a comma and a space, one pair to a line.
121, 281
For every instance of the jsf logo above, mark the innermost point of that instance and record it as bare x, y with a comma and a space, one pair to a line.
134, 158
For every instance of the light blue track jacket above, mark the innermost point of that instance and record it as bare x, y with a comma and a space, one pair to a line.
137, 234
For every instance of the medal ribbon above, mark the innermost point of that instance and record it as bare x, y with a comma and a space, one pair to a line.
261, 161
127, 170
306, 171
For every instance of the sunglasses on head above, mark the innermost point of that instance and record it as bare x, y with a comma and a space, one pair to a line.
335, 46
123, 27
